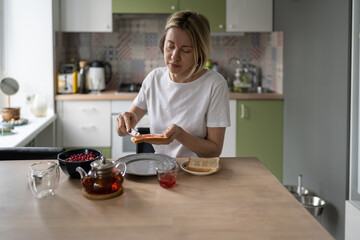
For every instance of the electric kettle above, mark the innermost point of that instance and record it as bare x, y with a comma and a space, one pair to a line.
98, 77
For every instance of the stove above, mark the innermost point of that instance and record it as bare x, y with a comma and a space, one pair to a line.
129, 87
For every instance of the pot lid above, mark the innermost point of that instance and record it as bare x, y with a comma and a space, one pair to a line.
96, 63
103, 164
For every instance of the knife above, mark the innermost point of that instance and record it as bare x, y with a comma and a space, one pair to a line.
134, 133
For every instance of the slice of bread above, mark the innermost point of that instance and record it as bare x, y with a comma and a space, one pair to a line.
203, 164
157, 138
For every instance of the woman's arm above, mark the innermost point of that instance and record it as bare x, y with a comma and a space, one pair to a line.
127, 120
211, 146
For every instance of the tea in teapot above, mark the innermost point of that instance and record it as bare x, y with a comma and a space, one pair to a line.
104, 177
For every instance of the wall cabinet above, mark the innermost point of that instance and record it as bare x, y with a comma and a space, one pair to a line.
86, 15
215, 10
84, 124
145, 6
249, 15
260, 132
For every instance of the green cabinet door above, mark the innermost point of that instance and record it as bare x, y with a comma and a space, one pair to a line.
145, 6
215, 10
260, 132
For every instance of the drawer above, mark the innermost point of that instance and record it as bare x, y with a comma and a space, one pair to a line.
86, 123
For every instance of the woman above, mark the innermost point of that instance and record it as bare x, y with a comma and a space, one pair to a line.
186, 102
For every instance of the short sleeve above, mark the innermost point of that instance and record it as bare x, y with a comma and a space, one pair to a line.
218, 114
141, 99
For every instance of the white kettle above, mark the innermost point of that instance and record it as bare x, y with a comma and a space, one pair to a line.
98, 77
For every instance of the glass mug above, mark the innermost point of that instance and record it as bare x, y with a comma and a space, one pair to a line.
43, 178
167, 174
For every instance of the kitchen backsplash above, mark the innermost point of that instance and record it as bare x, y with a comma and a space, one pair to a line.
132, 50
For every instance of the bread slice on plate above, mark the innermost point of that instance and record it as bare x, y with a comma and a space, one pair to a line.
203, 164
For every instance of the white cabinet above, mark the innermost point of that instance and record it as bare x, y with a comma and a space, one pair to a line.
229, 147
249, 15
122, 146
84, 123
86, 15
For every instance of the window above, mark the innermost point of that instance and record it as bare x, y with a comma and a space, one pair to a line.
1, 47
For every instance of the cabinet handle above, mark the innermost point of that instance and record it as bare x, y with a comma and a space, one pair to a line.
88, 109
221, 26
172, 7
88, 127
242, 111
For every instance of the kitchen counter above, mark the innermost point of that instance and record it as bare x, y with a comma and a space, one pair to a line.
241, 201
25, 133
113, 95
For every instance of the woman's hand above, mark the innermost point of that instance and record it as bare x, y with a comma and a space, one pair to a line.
172, 132
127, 120
124, 122
211, 146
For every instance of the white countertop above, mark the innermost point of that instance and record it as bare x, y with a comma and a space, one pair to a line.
25, 133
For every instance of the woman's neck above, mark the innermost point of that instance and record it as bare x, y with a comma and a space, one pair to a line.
182, 79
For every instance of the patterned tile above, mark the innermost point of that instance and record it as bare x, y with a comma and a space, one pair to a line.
152, 52
110, 53
138, 52
138, 25
152, 64
155, 25
84, 53
84, 39
110, 39
137, 39
137, 66
137, 77
132, 49
97, 53
151, 39
97, 39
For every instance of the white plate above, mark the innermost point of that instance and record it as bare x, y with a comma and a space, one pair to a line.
144, 164
183, 167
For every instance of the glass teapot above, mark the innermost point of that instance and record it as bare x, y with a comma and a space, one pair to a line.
104, 177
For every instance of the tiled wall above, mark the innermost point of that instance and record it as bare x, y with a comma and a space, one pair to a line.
132, 50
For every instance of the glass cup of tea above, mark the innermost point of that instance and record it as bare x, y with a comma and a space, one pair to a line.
167, 174
43, 178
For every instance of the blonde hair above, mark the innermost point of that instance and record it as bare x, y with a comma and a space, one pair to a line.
198, 27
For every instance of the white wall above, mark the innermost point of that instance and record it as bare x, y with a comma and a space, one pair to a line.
27, 53
352, 220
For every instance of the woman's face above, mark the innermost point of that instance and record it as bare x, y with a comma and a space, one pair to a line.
178, 53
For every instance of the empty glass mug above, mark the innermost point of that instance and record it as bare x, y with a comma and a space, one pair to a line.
43, 178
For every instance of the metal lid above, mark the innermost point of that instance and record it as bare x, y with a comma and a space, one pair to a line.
96, 63
103, 164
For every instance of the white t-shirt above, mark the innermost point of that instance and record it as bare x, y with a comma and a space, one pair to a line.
192, 106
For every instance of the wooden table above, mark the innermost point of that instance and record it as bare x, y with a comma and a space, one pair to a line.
242, 201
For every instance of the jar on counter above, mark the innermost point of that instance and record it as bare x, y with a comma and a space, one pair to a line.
82, 77
39, 105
